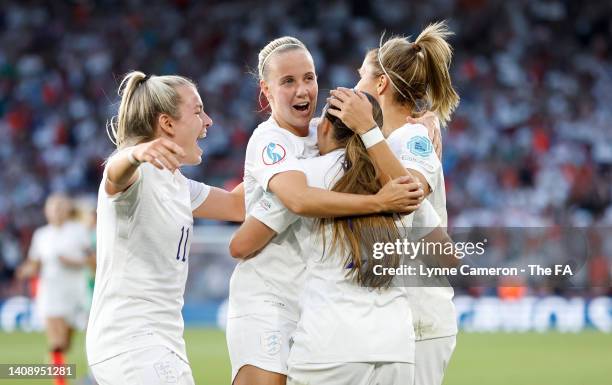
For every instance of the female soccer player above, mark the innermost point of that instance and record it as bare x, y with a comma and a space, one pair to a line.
60, 252
263, 309
144, 231
406, 78
352, 324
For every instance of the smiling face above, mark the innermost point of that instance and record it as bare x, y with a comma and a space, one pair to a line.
291, 89
190, 126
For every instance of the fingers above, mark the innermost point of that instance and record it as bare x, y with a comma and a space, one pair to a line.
150, 158
337, 94
172, 147
343, 93
403, 179
165, 161
337, 113
170, 158
157, 159
415, 194
410, 209
413, 186
335, 102
411, 120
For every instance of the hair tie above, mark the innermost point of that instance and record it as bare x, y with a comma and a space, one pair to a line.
147, 77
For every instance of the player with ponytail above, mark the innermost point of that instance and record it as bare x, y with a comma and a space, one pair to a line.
409, 78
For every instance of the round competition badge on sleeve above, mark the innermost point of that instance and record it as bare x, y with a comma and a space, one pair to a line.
420, 146
273, 153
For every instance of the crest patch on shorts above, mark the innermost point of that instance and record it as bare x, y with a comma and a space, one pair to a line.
271, 342
166, 372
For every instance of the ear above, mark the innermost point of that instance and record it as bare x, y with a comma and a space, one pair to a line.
326, 127
265, 89
382, 84
166, 126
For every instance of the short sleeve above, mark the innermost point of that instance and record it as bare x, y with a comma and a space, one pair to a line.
198, 192
34, 252
425, 220
131, 193
271, 212
414, 149
272, 154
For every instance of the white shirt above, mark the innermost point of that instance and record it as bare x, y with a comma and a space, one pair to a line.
340, 320
412, 146
433, 310
143, 240
271, 281
70, 240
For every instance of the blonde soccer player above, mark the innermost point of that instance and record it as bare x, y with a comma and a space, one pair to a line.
407, 78
145, 218
351, 329
263, 301
59, 253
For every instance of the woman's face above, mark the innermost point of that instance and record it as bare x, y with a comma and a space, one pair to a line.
191, 125
57, 209
368, 81
291, 89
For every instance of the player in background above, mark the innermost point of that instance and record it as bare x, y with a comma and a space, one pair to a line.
263, 301
408, 78
352, 323
144, 231
60, 253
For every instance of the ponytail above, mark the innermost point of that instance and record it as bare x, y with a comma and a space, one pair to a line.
419, 71
434, 53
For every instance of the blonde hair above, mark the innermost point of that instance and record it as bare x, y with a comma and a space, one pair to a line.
419, 71
282, 44
143, 99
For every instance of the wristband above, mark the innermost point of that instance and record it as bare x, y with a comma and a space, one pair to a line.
130, 156
372, 137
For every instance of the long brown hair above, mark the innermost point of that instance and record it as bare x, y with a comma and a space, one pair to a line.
354, 237
419, 71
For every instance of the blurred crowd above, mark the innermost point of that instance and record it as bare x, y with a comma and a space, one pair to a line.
530, 144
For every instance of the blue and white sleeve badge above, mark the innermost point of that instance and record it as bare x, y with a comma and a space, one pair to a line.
420, 146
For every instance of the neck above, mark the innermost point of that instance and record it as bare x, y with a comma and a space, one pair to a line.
394, 115
327, 148
298, 131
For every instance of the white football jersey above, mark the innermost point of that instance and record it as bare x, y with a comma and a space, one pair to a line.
70, 240
143, 240
62, 290
340, 320
271, 281
433, 310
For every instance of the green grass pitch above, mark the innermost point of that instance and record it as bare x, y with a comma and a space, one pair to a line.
486, 359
